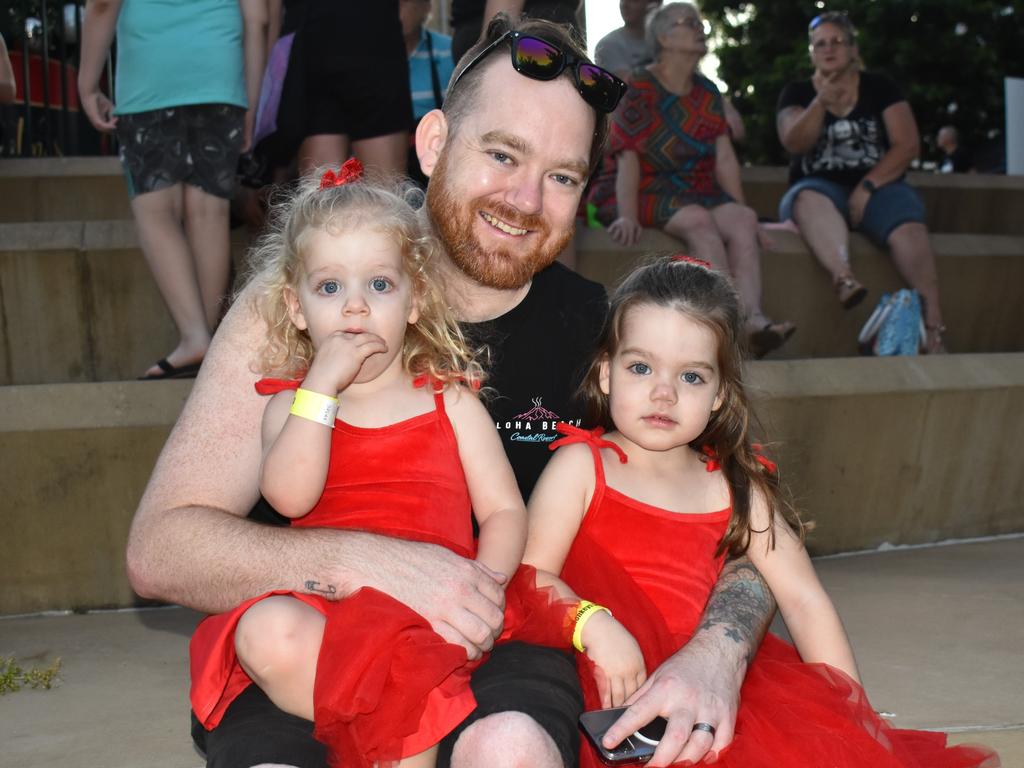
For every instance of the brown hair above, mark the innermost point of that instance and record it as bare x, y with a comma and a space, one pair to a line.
706, 297
463, 92
434, 344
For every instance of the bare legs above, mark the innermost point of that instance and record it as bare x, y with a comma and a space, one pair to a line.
278, 641
386, 153
825, 232
506, 740
726, 236
183, 232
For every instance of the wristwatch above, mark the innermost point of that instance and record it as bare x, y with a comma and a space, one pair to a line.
869, 185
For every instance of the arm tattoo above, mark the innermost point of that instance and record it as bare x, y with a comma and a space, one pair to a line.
328, 590
741, 604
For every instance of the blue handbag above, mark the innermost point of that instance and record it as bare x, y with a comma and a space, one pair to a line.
896, 327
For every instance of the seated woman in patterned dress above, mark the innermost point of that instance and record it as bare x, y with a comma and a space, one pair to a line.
676, 168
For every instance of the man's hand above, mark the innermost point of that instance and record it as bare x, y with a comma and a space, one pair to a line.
701, 682
463, 600
696, 685
620, 668
625, 231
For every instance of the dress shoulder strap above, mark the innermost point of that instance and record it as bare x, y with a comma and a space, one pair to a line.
591, 438
273, 386
422, 381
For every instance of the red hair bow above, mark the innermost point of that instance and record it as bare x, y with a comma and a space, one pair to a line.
692, 260
351, 170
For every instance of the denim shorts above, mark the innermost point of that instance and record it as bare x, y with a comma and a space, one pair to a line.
888, 207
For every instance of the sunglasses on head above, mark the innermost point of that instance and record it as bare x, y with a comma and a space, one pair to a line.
539, 59
839, 18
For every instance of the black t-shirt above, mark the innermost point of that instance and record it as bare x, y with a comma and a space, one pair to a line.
467, 10
539, 353
961, 161
849, 146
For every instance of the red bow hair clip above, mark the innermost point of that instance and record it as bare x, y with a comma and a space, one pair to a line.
692, 260
351, 170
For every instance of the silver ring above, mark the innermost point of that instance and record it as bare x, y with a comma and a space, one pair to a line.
706, 727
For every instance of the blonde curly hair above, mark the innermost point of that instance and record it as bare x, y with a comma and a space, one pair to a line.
434, 345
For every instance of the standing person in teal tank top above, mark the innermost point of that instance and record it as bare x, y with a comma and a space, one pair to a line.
179, 117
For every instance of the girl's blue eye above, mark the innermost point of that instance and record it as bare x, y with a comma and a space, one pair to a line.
329, 287
380, 284
692, 378
641, 369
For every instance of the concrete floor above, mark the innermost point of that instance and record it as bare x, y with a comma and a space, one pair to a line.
938, 631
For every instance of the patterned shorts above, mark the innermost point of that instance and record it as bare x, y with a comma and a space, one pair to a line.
198, 144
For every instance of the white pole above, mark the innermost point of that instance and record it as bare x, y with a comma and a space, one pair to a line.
1015, 125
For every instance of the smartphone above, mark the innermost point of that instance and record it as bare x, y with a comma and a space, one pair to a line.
634, 749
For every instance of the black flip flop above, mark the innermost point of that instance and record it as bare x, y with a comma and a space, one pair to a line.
770, 338
168, 371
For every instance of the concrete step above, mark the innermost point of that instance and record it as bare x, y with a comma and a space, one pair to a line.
62, 189
937, 633
966, 203
81, 291
981, 279
92, 188
876, 450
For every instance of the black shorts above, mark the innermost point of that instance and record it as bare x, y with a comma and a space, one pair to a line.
541, 682
197, 144
358, 100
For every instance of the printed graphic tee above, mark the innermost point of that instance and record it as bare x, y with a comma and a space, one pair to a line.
849, 146
538, 356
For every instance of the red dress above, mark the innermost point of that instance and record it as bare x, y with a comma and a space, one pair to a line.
654, 569
402, 480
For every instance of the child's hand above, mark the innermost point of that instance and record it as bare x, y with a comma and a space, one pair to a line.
339, 360
616, 654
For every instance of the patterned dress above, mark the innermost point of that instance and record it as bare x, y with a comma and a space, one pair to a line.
674, 137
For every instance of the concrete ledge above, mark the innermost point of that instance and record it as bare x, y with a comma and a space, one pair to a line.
60, 189
980, 278
74, 460
967, 203
83, 292
898, 451
84, 188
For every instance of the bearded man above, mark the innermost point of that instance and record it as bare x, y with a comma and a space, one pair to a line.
508, 157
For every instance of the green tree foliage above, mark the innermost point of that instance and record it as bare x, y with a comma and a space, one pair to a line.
949, 56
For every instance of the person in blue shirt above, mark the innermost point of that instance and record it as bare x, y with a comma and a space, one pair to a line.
430, 68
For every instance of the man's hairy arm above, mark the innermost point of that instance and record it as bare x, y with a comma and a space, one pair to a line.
190, 542
740, 608
701, 682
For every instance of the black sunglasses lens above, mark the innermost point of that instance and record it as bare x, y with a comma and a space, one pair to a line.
599, 87
537, 58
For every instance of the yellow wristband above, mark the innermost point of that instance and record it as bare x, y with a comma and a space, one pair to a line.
584, 613
322, 409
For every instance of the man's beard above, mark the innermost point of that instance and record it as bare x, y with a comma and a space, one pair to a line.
495, 268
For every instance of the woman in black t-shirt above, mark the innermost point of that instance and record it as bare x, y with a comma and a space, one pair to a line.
853, 135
